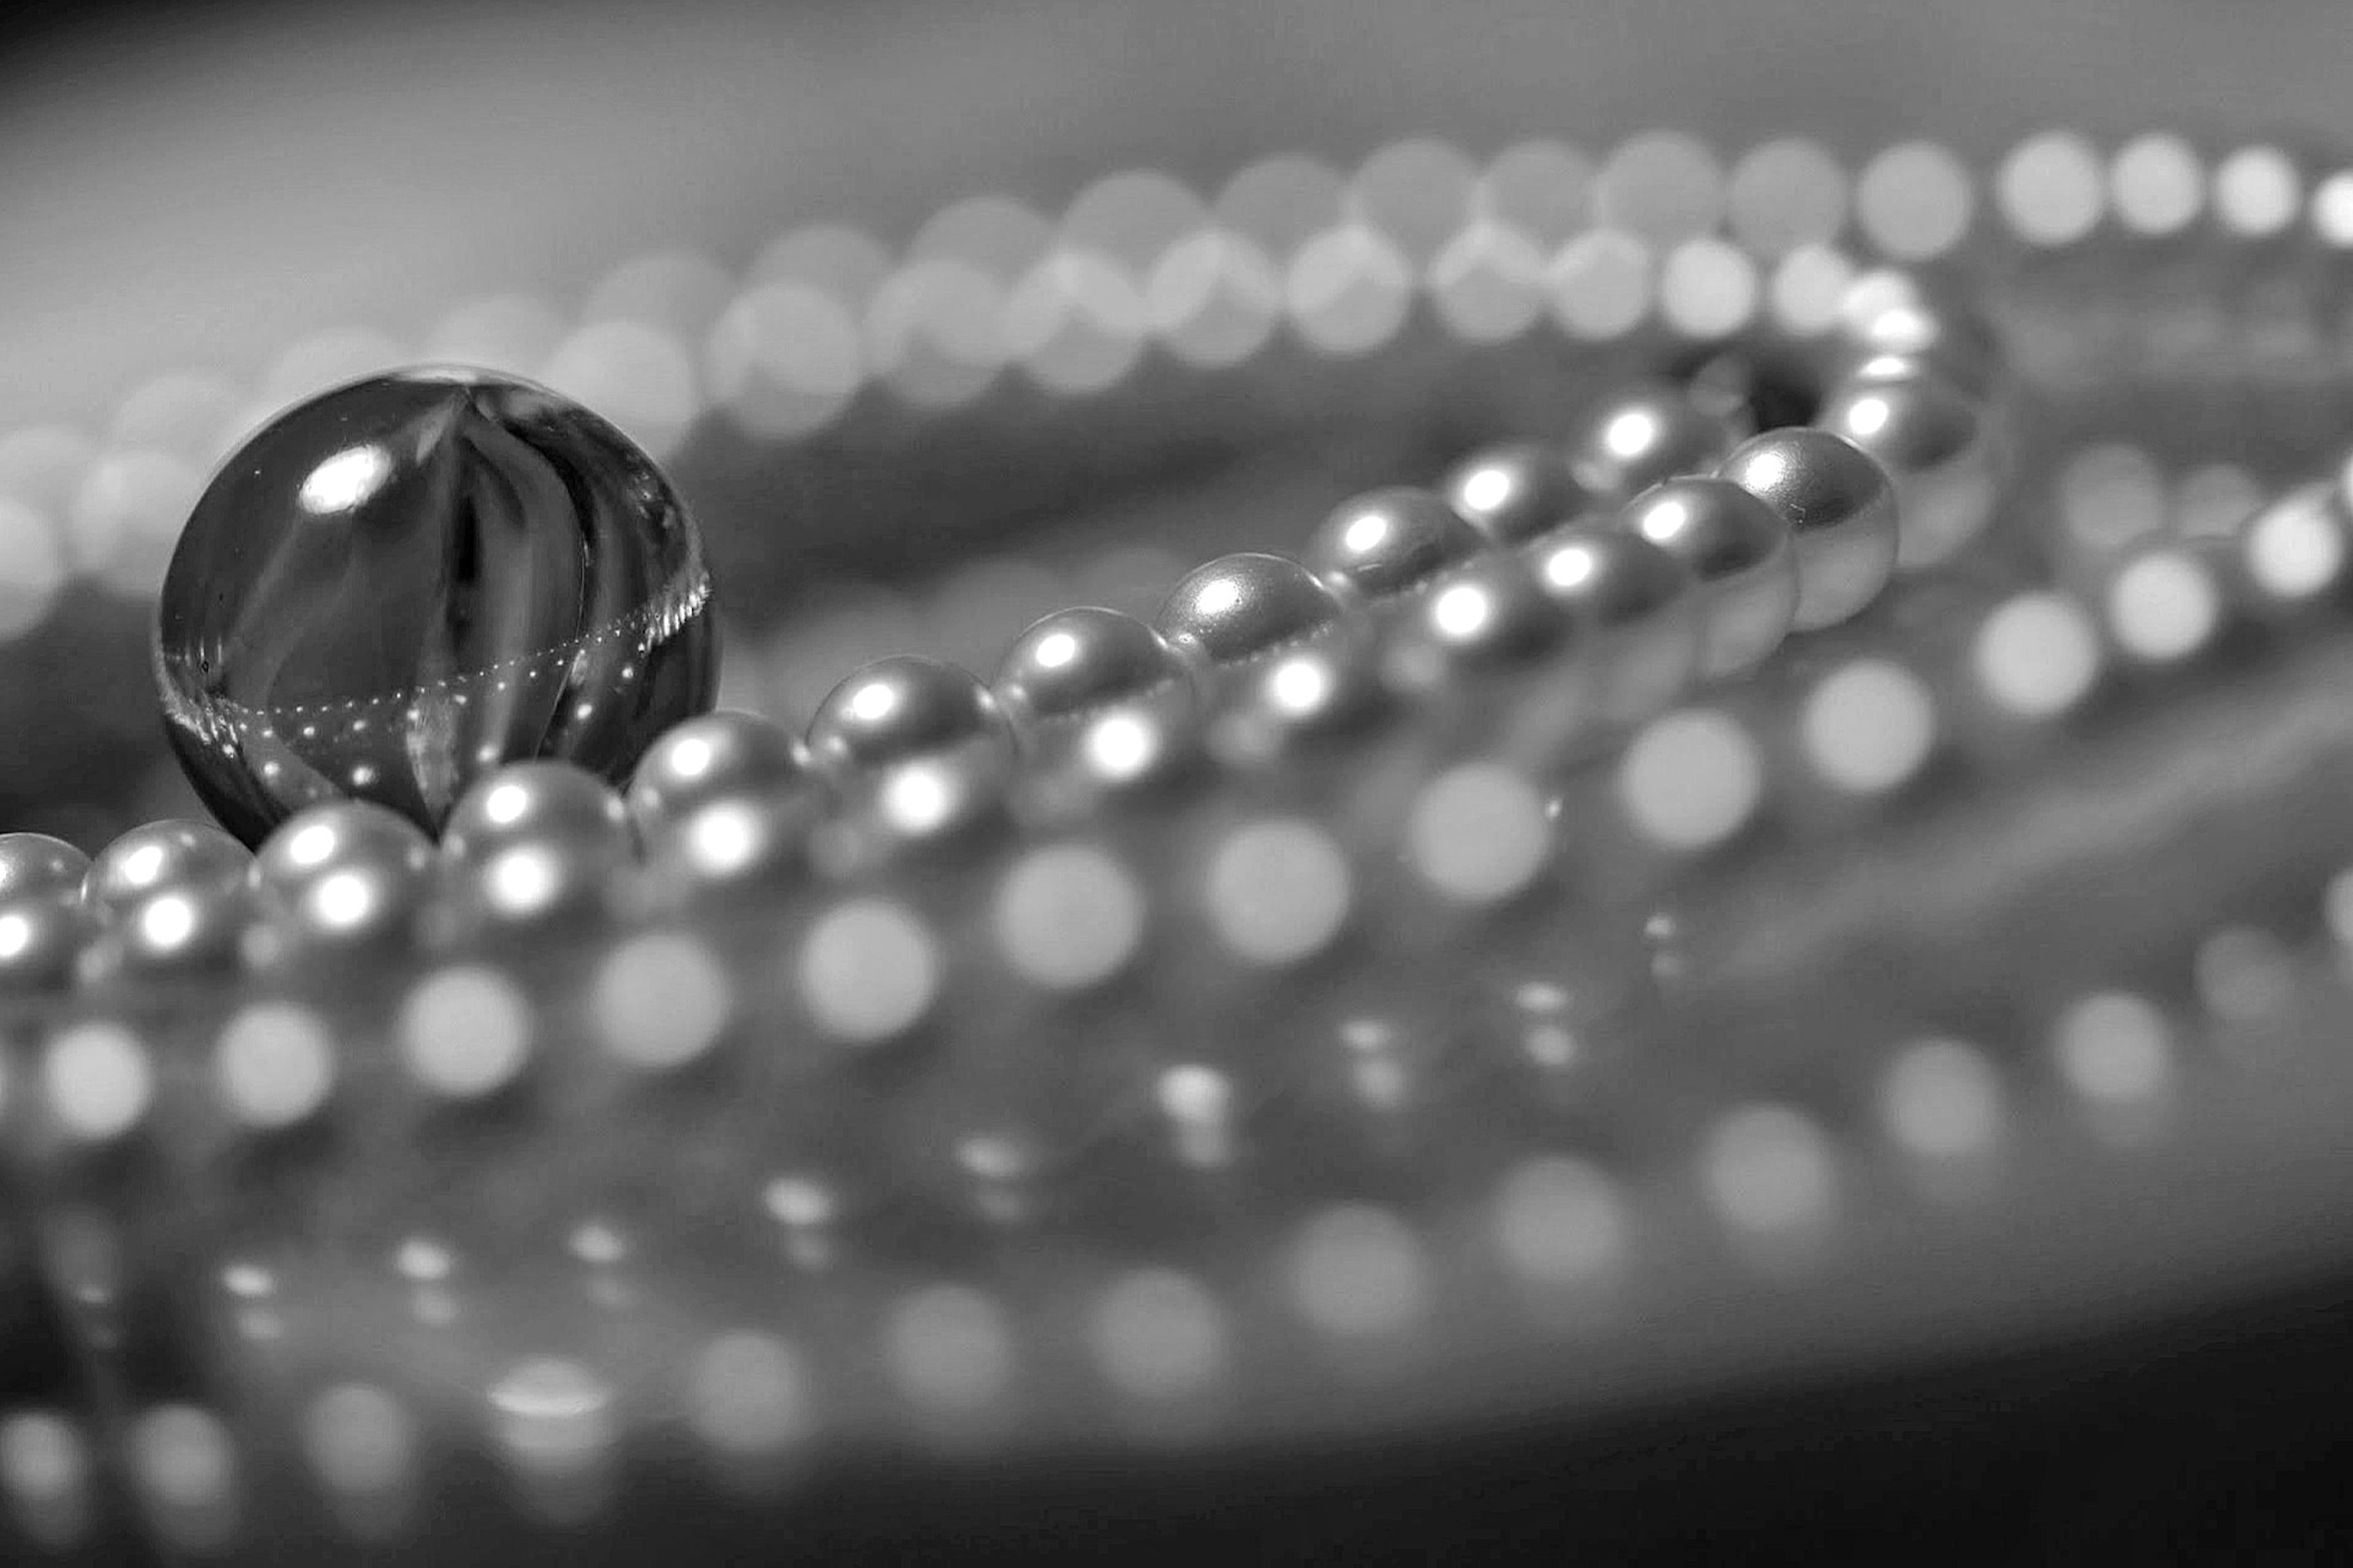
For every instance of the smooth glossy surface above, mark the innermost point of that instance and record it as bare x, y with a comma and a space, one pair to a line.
159, 856
41, 934
1936, 443
348, 871
528, 803
1640, 606
716, 756
1840, 506
1513, 493
915, 748
1102, 701
404, 583
1391, 542
1242, 608
1738, 549
34, 863
1644, 437
1282, 653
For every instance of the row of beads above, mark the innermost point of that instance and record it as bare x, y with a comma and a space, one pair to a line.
1165, 1344
1138, 257
869, 968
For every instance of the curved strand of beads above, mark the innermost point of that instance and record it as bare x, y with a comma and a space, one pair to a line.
1413, 987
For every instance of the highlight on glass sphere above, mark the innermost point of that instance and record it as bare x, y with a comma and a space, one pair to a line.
407, 582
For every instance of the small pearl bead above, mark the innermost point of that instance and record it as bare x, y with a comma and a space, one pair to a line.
717, 756
1839, 507
1933, 440
916, 748
41, 937
1738, 548
347, 871
1281, 651
1646, 437
1101, 702
1389, 543
1640, 606
160, 857
34, 863
1513, 493
533, 801
536, 839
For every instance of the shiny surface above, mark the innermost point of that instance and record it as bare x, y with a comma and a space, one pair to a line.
1640, 606
41, 936
917, 749
1513, 493
1391, 542
1239, 608
1738, 548
345, 871
533, 801
717, 756
34, 863
401, 585
1938, 444
160, 857
1839, 507
1103, 702
1645, 437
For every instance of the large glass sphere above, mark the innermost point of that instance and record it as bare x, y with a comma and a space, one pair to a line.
403, 584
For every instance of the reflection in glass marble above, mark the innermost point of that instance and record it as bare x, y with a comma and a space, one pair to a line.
401, 585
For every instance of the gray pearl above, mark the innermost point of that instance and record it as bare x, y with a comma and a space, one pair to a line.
1389, 543
1638, 610
1513, 493
1102, 701
1738, 549
160, 857
917, 749
42, 935
1839, 507
716, 756
535, 841
1282, 654
344, 873
34, 863
1936, 442
1645, 437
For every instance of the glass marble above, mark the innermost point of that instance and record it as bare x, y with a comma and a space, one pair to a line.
401, 585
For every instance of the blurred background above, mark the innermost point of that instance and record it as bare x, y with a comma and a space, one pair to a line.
213, 209
201, 183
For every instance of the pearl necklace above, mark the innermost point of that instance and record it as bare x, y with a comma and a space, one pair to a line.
1363, 930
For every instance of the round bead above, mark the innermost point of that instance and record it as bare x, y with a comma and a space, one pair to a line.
1886, 320
41, 935
717, 756
916, 748
534, 803
181, 930
1513, 493
402, 583
1839, 507
1102, 701
1936, 443
1738, 549
1391, 542
34, 863
1646, 437
348, 871
1485, 614
1283, 652
160, 856
1239, 608
1639, 606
